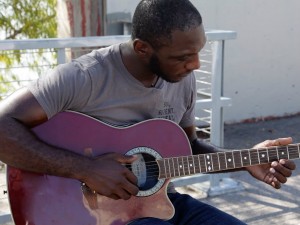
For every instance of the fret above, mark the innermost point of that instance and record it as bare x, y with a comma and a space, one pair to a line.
249, 157
194, 164
161, 166
180, 167
229, 160
245, 158
272, 154
165, 168
254, 159
237, 159
293, 151
257, 155
218, 161
183, 166
233, 160
282, 151
208, 162
197, 164
176, 167
202, 163
173, 168
215, 161
241, 157
222, 160
277, 153
263, 155
186, 165
191, 164
168, 169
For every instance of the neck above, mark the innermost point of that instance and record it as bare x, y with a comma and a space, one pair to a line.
136, 66
155, 81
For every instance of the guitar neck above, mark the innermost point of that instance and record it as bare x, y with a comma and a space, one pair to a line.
213, 162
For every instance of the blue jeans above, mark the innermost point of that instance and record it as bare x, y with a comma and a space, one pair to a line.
189, 211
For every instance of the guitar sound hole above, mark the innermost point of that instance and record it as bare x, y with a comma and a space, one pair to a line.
145, 169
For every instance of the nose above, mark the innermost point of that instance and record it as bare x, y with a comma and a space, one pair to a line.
193, 64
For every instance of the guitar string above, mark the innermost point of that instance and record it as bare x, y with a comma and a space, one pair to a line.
291, 151
172, 158
185, 168
185, 171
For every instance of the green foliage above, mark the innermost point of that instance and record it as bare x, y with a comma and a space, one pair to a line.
24, 19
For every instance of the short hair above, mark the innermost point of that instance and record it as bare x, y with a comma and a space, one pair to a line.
155, 20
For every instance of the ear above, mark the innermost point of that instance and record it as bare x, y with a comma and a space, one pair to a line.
142, 48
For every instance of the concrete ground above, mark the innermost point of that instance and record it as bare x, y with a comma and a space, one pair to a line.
258, 203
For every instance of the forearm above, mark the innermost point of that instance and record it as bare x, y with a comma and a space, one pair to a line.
21, 149
201, 147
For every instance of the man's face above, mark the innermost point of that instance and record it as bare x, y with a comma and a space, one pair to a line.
176, 60
155, 67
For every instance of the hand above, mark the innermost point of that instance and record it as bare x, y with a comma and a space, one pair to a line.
274, 173
107, 176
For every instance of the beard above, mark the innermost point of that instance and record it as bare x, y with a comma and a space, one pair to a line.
154, 66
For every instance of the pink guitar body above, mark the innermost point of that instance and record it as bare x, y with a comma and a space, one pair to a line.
39, 199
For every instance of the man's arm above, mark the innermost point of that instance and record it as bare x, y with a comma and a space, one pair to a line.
22, 149
274, 173
199, 146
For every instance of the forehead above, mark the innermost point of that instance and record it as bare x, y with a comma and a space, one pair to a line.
186, 42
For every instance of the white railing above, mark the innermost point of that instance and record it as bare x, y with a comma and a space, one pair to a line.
210, 100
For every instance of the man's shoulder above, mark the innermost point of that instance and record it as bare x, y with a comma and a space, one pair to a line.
97, 57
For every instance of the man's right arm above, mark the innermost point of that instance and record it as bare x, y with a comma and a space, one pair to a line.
22, 149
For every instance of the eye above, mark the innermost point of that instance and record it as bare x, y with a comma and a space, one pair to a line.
183, 58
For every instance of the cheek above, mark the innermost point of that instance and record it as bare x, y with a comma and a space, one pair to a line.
175, 67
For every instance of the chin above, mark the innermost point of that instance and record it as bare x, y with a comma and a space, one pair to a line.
175, 81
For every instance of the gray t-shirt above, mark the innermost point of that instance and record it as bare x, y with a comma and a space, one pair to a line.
98, 84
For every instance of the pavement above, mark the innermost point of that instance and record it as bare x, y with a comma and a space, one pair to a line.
257, 203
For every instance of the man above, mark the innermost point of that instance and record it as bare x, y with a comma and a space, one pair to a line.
150, 76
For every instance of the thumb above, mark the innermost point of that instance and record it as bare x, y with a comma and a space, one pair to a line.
281, 141
127, 158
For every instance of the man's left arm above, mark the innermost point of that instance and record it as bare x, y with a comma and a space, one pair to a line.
274, 174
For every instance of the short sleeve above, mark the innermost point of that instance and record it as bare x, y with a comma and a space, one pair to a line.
67, 87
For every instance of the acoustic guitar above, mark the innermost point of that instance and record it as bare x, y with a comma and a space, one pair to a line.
163, 152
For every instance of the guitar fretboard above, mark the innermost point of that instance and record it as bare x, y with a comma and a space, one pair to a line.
213, 162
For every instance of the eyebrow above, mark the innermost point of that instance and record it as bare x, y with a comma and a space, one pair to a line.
183, 55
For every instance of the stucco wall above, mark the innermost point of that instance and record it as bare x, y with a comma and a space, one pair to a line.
262, 68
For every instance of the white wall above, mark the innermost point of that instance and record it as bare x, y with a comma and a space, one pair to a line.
262, 68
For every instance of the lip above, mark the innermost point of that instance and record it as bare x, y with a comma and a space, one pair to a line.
183, 75
180, 77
